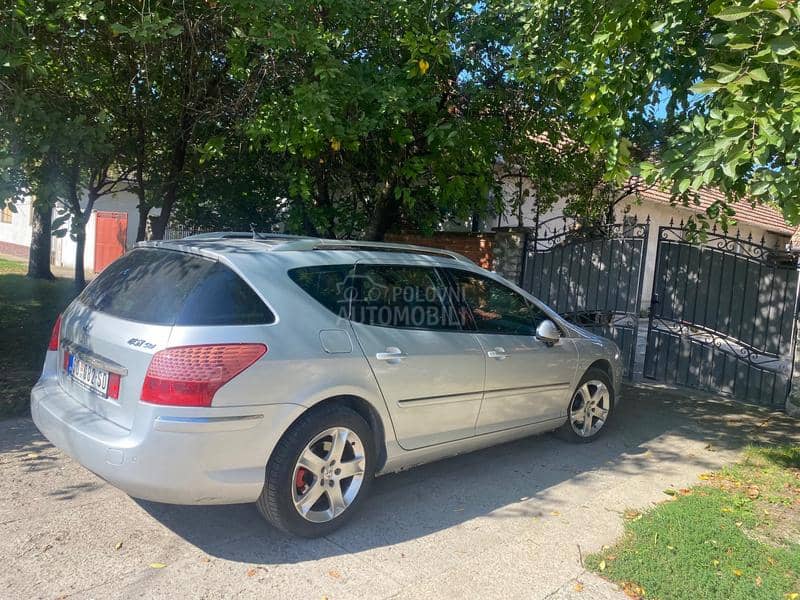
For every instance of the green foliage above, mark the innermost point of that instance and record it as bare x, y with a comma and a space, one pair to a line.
726, 76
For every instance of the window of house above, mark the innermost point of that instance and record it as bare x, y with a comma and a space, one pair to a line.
7, 215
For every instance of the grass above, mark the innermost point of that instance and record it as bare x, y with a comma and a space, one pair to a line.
28, 309
734, 536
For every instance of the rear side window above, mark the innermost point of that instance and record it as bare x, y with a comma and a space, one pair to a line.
329, 285
164, 287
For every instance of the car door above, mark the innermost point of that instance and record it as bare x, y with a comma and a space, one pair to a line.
428, 368
527, 381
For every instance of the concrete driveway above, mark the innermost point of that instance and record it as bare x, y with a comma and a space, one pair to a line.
513, 521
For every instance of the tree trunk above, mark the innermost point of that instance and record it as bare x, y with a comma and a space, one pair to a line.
141, 228
80, 248
39, 257
385, 213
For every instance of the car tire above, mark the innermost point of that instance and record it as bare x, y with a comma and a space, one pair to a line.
586, 402
290, 487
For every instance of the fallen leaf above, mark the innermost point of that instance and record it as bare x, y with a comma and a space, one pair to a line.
738, 523
705, 476
33, 455
632, 515
670, 492
555, 513
602, 565
205, 559
578, 587
335, 574
791, 596
157, 565
118, 546
726, 509
251, 572
759, 581
737, 572
715, 562
753, 492
685, 491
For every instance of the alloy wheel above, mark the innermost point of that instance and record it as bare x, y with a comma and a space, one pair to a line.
589, 408
328, 474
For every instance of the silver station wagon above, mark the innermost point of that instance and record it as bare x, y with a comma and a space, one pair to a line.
289, 371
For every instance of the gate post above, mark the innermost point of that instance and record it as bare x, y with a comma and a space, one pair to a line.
509, 251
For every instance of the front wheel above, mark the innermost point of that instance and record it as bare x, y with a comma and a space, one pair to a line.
319, 472
590, 408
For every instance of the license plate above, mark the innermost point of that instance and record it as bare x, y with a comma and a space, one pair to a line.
92, 377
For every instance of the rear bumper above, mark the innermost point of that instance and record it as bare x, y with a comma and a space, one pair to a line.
171, 454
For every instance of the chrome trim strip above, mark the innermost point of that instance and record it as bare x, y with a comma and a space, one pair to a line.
93, 359
200, 424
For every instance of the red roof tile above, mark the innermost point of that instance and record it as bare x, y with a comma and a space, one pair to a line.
761, 215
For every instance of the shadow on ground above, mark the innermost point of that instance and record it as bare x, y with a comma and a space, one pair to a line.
492, 482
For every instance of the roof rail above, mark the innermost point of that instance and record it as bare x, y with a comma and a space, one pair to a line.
325, 244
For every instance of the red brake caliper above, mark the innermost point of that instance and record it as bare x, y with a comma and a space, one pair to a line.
300, 480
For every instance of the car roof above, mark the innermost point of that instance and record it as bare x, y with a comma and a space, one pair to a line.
279, 244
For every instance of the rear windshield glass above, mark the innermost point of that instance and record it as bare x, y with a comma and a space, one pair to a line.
172, 288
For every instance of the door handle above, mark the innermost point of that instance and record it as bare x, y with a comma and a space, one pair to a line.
392, 355
498, 353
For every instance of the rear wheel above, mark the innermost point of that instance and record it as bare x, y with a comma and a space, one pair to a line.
319, 472
590, 408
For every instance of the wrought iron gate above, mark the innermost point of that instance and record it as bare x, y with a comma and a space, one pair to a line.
722, 317
592, 278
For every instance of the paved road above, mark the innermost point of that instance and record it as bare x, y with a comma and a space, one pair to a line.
509, 522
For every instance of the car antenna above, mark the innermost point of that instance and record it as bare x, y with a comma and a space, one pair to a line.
256, 235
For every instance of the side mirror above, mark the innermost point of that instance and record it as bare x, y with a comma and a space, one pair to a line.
547, 332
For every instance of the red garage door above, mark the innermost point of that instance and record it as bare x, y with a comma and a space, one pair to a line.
111, 232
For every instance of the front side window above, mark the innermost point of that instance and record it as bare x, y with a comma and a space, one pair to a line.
401, 296
495, 307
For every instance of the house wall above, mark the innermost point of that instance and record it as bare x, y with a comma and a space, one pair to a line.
64, 248
15, 237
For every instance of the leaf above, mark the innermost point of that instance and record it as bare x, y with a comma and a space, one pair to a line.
578, 587
734, 13
670, 491
759, 75
768, 4
157, 565
251, 572
782, 45
658, 26
737, 572
708, 86
118, 546
335, 574
423, 66
602, 565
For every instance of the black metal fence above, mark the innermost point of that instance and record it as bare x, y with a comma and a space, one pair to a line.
592, 277
723, 316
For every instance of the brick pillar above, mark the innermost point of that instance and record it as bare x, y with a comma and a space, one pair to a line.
509, 247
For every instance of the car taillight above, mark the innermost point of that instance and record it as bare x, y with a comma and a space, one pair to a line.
114, 381
53, 345
191, 375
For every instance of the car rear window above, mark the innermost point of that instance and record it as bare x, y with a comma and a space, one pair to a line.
165, 287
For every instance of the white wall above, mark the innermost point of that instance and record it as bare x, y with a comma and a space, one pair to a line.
64, 248
19, 230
